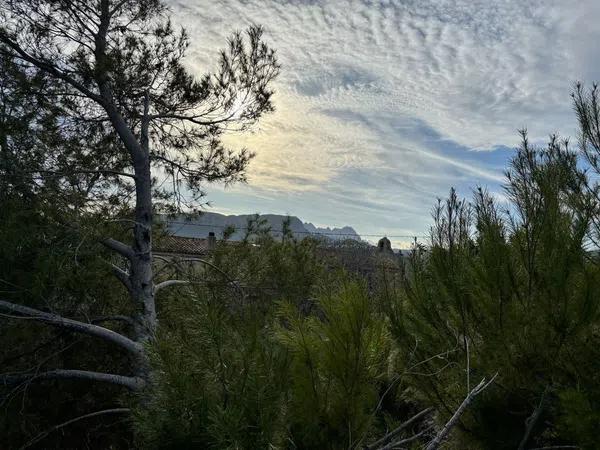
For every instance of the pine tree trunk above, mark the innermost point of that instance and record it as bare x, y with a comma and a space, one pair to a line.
141, 286
141, 276
141, 273
141, 264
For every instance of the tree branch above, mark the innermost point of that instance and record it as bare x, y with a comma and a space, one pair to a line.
408, 440
86, 171
119, 247
437, 441
192, 119
41, 436
234, 283
532, 421
74, 325
168, 283
47, 67
131, 383
391, 435
122, 276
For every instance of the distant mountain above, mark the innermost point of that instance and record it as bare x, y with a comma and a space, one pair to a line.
338, 233
200, 225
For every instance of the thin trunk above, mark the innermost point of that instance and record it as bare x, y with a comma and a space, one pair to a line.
140, 276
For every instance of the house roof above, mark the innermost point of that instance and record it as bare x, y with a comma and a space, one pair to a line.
182, 245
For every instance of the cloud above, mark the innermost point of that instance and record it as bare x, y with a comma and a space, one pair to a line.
394, 101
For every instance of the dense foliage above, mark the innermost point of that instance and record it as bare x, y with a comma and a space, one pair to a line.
505, 288
276, 344
272, 345
513, 292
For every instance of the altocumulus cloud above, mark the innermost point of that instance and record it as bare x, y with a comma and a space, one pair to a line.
383, 105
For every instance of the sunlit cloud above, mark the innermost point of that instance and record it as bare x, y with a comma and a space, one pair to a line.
383, 105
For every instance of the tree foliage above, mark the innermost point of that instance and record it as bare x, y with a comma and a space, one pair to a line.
97, 105
112, 103
512, 291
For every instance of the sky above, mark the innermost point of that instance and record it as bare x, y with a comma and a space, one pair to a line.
382, 106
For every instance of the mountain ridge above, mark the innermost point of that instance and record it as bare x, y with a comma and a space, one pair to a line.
200, 225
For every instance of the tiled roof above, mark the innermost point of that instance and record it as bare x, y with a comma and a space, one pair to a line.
181, 245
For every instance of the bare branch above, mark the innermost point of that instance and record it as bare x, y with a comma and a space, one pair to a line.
437, 441
122, 276
391, 435
407, 371
234, 283
406, 440
532, 420
48, 67
41, 436
168, 283
131, 383
74, 325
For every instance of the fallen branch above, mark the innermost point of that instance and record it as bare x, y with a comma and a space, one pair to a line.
41, 436
436, 442
74, 325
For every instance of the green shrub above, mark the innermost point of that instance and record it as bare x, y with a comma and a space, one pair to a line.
339, 358
512, 292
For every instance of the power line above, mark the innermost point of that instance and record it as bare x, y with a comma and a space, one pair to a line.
315, 233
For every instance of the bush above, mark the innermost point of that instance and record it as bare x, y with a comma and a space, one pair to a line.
250, 371
339, 358
512, 292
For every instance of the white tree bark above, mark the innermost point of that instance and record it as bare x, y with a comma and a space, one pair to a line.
25, 312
